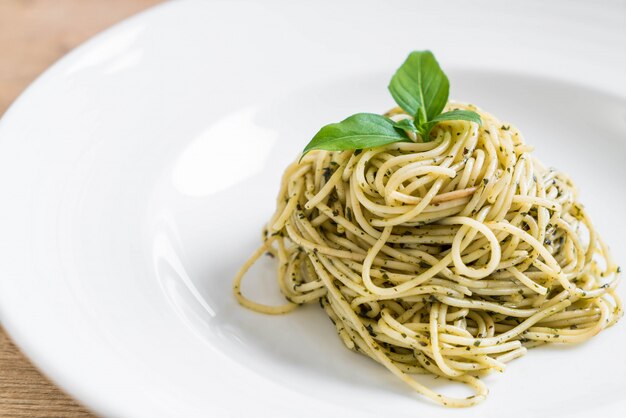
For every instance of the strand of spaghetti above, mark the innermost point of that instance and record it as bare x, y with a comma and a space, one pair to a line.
250, 304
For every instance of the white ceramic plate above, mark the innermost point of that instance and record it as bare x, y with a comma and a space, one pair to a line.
136, 174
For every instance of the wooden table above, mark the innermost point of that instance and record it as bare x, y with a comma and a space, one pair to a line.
34, 34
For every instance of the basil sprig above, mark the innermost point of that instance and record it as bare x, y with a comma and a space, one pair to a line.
363, 130
420, 88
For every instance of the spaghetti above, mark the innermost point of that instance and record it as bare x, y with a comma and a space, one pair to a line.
449, 257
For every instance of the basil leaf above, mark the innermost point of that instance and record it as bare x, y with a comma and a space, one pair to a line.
363, 130
456, 114
405, 124
421, 86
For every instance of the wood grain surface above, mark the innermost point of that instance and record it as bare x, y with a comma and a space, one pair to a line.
34, 34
